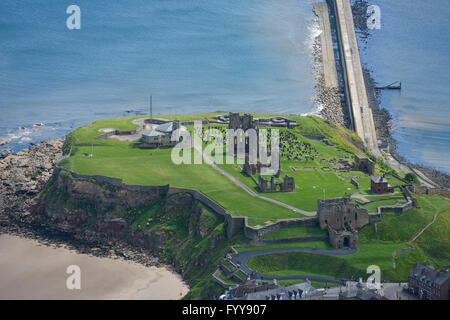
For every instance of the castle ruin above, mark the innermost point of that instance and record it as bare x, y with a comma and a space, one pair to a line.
288, 184
342, 218
364, 164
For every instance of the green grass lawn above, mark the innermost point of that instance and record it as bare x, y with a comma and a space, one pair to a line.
312, 244
315, 284
394, 233
241, 275
394, 181
295, 232
230, 266
136, 166
223, 276
310, 184
373, 206
379, 197
434, 242
351, 266
294, 263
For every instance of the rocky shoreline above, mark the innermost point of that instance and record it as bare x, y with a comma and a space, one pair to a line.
328, 99
331, 105
382, 117
22, 177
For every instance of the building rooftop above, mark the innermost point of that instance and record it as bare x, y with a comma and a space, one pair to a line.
429, 274
297, 291
379, 179
165, 127
152, 133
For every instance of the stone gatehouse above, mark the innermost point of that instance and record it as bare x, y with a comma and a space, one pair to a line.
364, 164
342, 218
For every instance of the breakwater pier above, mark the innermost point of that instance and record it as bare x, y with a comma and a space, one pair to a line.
357, 102
326, 42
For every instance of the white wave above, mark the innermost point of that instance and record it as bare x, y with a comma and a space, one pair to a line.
24, 139
313, 32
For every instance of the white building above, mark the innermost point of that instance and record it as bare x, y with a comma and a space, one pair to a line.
161, 136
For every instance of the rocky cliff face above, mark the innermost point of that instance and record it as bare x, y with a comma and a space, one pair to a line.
24, 175
113, 220
177, 229
86, 207
92, 210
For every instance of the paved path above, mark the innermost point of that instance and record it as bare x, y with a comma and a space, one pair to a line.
357, 94
328, 60
394, 291
209, 161
400, 167
424, 179
424, 228
359, 196
242, 257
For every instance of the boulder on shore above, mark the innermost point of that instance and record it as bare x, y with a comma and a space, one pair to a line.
24, 174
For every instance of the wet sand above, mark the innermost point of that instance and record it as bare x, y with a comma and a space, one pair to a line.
29, 270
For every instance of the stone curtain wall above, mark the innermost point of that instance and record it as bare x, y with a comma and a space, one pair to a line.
259, 232
430, 191
163, 190
234, 223
116, 133
411, 203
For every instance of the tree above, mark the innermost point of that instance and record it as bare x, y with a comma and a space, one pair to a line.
411, 178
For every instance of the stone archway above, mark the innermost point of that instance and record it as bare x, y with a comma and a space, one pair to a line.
346, 242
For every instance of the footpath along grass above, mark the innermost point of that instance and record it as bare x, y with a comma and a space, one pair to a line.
295, 232
373, 206
303, 263
137, 166
315, 284
339, 267
394, 233
312, 245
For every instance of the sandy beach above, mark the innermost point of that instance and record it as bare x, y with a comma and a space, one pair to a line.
29, 270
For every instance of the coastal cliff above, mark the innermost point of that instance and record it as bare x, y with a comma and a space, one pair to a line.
108, 220
179, 230
23, 175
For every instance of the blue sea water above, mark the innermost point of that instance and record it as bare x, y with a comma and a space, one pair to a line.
191, 55
413, 46
208, 55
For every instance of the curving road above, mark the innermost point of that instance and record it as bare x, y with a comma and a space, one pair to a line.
242, 257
